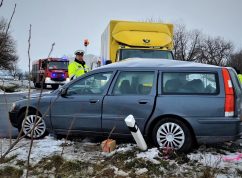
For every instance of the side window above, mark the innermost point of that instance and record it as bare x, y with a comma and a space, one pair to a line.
134, 83
91, 85
190, 83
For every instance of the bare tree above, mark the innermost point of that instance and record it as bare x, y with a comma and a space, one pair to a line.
235, 61
215, 51
15, 70
1, 3
7, 47
11, 18
186, 43
7, 44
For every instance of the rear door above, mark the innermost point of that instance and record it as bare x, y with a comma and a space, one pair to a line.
132, 92
238, 92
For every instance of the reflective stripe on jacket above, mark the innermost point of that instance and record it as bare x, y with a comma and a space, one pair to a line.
76, 70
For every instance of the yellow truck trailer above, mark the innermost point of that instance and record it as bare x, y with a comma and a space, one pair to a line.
126, 39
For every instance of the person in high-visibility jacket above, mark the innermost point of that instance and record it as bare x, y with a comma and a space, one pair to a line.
240, 78
78, 67
239, 75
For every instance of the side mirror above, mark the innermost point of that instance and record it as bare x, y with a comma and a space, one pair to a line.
63, 91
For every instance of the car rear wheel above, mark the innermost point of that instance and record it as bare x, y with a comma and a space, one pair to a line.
172, 133
33, 121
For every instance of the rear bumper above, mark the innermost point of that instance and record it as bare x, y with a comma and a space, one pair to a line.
219, 130
216, 139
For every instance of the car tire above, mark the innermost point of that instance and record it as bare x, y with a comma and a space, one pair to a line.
173, 133
40, 129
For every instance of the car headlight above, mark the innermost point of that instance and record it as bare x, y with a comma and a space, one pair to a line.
13, 107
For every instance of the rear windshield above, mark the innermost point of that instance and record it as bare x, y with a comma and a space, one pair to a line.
190, 83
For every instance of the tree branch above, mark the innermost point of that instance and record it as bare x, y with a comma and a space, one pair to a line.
31, 144
1, 3
52, 46
10, 20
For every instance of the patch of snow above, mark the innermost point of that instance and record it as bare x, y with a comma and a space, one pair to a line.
150, 154
141, 171
206, 159
125, 148
121, 149
119, 171
218, 160
41, 148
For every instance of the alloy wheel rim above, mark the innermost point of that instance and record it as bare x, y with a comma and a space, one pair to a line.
170, 135
29, 123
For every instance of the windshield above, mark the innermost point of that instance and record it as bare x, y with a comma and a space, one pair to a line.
58, 65
144, 53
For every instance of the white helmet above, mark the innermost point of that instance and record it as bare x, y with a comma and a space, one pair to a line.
79, 52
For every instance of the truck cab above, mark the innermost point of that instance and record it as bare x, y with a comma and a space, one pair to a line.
123, 39
50, 71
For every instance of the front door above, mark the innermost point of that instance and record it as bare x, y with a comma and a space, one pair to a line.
80, 108
132, 93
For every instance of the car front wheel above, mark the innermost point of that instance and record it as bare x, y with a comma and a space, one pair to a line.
33, 122
172, 133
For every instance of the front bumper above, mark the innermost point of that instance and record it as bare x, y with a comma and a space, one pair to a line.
49, 81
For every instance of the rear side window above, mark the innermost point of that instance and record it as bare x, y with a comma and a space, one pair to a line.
189, 83
134, 83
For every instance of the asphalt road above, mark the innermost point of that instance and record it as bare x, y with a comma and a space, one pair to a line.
6, 128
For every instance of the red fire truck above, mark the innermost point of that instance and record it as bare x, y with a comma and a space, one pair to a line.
50, 71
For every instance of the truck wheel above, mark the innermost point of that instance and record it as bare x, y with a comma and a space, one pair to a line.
31, 119
44, 86
172, 133
36, 85
55, 86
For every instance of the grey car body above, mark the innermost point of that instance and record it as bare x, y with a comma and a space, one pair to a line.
201, 116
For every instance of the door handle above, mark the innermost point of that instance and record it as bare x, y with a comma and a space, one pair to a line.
143, 101
93, 100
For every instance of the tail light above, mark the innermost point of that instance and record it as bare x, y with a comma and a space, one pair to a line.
229, 105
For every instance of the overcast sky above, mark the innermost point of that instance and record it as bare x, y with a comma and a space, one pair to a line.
68, 23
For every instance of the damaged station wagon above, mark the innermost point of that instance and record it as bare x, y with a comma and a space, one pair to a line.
175, 104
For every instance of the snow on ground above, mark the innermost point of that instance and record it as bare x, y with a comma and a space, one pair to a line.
21, 86
217, 160
50, 146
150, 154
21, 83
228, 163
41, 148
